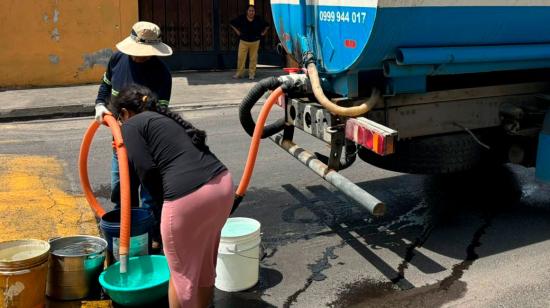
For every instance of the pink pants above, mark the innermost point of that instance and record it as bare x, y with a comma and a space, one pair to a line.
191, 228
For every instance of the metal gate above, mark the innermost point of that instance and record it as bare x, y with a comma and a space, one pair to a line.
199, 33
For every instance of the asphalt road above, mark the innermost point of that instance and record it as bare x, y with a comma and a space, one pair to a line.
471, 240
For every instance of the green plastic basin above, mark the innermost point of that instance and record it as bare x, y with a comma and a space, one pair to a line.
146, 281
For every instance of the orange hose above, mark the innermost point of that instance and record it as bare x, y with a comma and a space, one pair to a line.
125, 216
124, 171
83, 169
256, 138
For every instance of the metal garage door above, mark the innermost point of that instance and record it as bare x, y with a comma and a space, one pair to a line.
199, 32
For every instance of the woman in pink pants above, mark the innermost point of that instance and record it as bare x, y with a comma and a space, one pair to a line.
173, 162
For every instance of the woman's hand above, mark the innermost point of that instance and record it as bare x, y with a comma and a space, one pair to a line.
236, 30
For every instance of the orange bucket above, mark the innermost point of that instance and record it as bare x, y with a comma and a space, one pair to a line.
23, 273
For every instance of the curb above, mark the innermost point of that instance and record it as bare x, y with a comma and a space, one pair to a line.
79, 110
41, 113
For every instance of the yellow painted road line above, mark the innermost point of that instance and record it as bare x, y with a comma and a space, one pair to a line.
97, 304
33, 203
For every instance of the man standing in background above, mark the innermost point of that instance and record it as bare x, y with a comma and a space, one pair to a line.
250, 29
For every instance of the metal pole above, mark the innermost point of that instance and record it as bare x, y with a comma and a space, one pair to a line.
368, 201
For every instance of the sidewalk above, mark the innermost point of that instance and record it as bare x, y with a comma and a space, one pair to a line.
190, 90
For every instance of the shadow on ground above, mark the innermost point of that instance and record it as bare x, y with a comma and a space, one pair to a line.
422, 211
252, 297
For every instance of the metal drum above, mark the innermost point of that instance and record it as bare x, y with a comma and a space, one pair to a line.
75, 265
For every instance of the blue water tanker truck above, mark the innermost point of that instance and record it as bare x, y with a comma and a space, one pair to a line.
414, 86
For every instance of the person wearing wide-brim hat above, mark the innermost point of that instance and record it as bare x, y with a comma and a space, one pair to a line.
136, 62
144, 41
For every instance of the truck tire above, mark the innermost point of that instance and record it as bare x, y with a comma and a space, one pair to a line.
442, 154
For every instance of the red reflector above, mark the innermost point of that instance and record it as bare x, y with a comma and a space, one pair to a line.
291, 70
379, 144
371, 135
350, 43
369, 140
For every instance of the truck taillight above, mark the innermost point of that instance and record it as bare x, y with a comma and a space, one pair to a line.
371, 135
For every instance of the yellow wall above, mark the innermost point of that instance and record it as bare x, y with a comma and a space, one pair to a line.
60, 42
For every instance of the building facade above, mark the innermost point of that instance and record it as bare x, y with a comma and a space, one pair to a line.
63, 42
199, 31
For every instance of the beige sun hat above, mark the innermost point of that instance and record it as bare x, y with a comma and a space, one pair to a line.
144, 40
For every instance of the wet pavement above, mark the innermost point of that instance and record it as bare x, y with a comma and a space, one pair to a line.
424, 212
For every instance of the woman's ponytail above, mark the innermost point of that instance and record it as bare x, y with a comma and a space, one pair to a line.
149, 102
138, 98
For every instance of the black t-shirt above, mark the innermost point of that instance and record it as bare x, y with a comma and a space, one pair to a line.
162, 154
251, 31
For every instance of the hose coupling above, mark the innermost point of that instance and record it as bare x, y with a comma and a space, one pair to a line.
308, 58
296, 83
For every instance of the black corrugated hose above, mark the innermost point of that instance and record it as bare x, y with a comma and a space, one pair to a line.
245, 108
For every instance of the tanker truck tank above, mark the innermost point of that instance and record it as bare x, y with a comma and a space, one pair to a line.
412, 86
400, 43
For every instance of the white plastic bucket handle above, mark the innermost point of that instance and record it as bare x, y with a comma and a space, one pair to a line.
233, 248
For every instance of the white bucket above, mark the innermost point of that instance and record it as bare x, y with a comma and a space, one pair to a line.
238, 263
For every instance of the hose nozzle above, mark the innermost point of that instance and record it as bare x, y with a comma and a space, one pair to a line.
236, 202
123, 264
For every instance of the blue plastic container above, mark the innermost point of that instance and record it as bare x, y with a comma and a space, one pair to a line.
141, 231
144, 285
